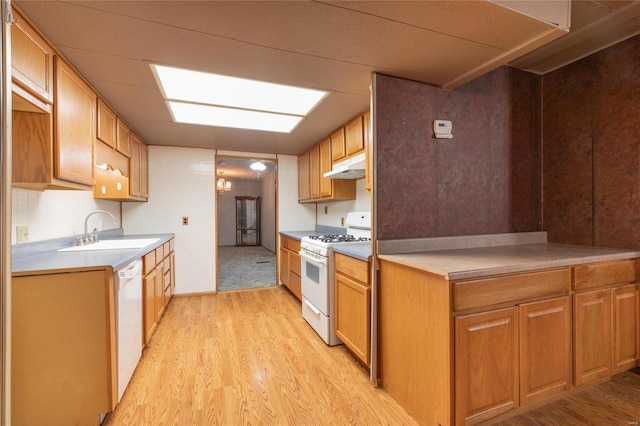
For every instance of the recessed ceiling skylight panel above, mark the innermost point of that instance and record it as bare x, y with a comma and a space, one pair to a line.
218, 100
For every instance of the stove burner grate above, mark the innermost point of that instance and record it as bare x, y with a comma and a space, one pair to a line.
339, 238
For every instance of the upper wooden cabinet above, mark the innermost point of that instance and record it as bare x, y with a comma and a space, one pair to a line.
123, 139
138, 177
74, 132
106, 124
368, 147
338, 149
354, 136
303, 177
31, 62
325, 166
112, 173
314, 172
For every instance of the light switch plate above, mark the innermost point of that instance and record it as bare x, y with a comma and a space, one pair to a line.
22, 234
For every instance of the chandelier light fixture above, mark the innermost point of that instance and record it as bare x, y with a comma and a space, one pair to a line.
258, 166
222, 185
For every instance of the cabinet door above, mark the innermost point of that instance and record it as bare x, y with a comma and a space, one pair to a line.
353, 315
338, 149
123, 139
354, 137
74, 117
325, 166
106, 124
626, 327
159, 292
592, 336
31, 61
284, 266
314, 172
148, 305
134, 167
144, 170
303, 176
486, 365
545, 349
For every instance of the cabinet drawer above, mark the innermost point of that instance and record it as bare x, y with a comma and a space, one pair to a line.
149, 262
171, 243
159, 254
295, 263
295, 285
603, 274
354, 268
284, 242
512, 288
294, 245
166, 247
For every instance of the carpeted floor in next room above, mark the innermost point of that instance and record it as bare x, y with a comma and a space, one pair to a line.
245, 267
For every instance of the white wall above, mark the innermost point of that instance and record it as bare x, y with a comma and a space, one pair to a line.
55, 214
181, 183
291, 215
336, 210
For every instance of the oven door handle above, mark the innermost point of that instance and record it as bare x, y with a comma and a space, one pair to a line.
313, 260
313, 308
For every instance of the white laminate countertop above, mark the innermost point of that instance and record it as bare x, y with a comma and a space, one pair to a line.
479, 262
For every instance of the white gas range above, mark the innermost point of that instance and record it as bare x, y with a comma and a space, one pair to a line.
317, 269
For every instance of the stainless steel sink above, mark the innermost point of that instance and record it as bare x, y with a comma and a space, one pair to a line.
135, 243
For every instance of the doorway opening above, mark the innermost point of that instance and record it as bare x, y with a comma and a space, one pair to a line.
246, 223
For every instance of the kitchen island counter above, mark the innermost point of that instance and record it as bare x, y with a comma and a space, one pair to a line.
44, 257
479, 262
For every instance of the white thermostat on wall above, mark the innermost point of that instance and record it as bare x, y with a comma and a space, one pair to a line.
442, 129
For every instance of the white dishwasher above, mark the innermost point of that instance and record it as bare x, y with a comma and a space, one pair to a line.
128, 322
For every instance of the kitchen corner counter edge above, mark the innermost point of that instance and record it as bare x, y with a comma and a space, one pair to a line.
41, 257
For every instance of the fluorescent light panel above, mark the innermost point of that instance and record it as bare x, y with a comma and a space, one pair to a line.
217, 92
236, 118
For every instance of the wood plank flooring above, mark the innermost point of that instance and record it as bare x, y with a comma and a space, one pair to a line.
248, 358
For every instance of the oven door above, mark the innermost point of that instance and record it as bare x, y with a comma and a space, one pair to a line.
315, 277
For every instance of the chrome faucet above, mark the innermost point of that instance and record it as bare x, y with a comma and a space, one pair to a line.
94, 237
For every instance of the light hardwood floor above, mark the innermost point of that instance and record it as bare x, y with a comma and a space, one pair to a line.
248, 358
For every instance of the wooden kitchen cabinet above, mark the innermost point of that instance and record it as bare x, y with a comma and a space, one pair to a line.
326, 184
158, 285
56, 151
606, 320
290, 265
544, 349
106, 124
338, 148
31, 63
123, 138
486, 384
304, 176
354, 136
138, 178
74, 112
314, 172
64, 348
353, 305
112, 173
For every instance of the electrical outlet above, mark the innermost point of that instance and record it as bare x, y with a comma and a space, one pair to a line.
342, 221
22, 234
326, 209
185, 220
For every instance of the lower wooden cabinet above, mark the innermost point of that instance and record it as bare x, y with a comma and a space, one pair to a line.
353, 305
486, 359
545, 349
158, 285
607, 332
290, 265
511, 357
63, 345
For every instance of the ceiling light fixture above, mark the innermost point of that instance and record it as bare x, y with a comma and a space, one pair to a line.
258, 166
216, 100
222, 185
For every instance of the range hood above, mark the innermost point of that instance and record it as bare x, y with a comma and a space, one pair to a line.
351, 168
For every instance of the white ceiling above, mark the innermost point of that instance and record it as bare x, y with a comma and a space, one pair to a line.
328, 45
